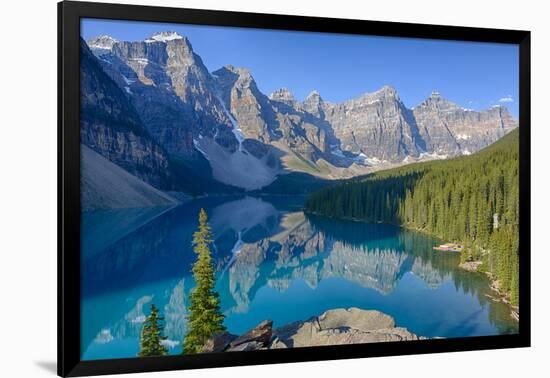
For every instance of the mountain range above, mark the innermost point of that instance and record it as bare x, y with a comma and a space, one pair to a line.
152, 108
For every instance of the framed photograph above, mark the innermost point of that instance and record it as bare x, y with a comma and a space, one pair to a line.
239, 188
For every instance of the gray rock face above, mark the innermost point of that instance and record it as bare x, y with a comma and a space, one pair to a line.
137, 154
380, 126
110, 125
162, 112
377, 125
314, 104
247, 104
340, 326
450, 130
167, 63
276, 121
188, 110
283, 95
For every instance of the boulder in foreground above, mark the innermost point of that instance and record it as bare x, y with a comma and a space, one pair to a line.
218, 343
258, 337
341, 326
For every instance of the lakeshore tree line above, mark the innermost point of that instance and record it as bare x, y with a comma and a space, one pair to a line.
205, 318
473, 200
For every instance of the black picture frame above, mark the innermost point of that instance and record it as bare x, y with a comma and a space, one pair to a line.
69, 15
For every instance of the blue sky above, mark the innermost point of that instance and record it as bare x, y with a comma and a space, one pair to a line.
340, 67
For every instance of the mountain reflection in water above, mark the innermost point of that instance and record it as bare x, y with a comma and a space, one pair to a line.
272, 262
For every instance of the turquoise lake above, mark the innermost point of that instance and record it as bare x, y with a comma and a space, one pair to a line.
272, 262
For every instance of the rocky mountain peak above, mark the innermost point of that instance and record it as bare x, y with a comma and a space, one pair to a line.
313, 96
230, 76
226, 109
282, 95
502, 112
102, 42
241, 72
498, 109
387, 91
179, 45
437, 102
313, 103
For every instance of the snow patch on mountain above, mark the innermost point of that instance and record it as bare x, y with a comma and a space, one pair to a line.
238, 247
128, 81
463, 136
336, 151
432, 156
239, 135
198, 147
140, 60
102, 42
164, 37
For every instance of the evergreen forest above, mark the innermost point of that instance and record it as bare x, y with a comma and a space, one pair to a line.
472, 200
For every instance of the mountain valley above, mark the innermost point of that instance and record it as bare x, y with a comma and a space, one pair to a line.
153, 108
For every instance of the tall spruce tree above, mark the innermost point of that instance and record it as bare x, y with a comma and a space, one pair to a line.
205, 318
151, 335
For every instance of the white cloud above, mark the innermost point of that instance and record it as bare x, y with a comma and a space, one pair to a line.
506, 99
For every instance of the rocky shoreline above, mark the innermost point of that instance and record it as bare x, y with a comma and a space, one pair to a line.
470, 266
473, 266
333, 327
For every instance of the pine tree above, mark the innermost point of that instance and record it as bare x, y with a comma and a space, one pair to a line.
151, 336
205, 318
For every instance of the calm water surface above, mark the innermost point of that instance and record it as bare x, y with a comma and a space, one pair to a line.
272, 262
